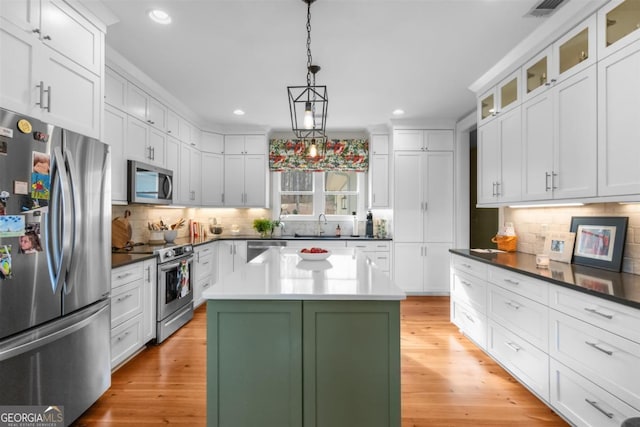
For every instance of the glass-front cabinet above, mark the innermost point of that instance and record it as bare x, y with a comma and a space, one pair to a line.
618, 25
570, 54
500, 98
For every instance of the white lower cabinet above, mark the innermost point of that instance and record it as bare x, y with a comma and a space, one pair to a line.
133, 309
421, 267
577, 352
378, 252
206, 270
584, 403
231, 255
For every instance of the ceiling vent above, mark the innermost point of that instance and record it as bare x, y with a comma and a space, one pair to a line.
544, 8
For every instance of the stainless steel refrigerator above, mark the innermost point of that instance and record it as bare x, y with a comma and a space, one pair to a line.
54, 266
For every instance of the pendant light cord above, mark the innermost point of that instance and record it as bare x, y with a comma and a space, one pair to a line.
309, 61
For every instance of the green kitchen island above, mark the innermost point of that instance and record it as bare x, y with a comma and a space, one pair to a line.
295, 343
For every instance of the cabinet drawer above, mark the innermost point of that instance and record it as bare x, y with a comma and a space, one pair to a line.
126, 339
127, 274
536, 290
525, 361
126, 302
584, 403
370, 245
607, 359
471, 290
381, 259
607, 315
204, 266
472, 323
468, 266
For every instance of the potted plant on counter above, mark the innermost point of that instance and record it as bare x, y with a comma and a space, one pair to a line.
265, 226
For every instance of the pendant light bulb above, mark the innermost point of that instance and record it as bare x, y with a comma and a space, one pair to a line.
313, 150
308, 116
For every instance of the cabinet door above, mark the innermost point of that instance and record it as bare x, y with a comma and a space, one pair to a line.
137, 135
255, 144
576, 50
255, 180
438, 140
74, 99
195, 175
18, 77
185, 130
137, 102
184, 183
233, 179
487, 106
509, 187
173, 124
71, 35
157, 142
149, 293
25, 14
115, 134
537, 122
157, 114
240, 253
225, 257
408, 192
379, 144
618, 130
436, 268
212, 179
617, 26
115, 89
408, 261
408, 140
212, 143
488, 162
172, 155
508, 91
438, 205
379, 173
234, 144
575, 151
241, 337
536, 78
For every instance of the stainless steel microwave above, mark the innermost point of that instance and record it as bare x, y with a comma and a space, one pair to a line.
149, 184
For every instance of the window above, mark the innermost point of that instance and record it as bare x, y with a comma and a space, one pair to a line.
307, 194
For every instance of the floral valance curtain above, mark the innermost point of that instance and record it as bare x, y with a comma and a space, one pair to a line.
333, 155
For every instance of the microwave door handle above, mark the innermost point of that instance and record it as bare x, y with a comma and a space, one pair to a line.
76, 213
167, 181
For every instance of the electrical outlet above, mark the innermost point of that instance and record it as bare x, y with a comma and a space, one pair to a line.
544, 228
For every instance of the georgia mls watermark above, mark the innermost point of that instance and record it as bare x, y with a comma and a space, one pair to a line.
31, 416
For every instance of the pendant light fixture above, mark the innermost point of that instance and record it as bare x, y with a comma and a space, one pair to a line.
308, 104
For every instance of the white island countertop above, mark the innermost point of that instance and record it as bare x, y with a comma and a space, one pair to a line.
280, 274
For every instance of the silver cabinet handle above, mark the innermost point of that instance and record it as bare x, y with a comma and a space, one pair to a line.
464, 282
42, 92
493, 188
36, 31
122, 276
149, 274
513, 346
469, 318
124, 297
546, 181
594, 311
466, 265
597, 347
513, 282
123, 336
595, 405
47, 37
553, 180
513, 305
497, 188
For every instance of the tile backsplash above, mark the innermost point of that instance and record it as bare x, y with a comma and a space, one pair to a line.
530, 224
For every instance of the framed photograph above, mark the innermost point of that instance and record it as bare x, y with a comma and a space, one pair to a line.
594, 283
599, 241
559, 246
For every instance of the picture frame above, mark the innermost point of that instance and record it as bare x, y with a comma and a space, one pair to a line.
599, 241
559, 246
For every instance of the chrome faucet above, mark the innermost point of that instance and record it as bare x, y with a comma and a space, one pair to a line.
319, 228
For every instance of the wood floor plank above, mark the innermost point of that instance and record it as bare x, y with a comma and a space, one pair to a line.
446, 380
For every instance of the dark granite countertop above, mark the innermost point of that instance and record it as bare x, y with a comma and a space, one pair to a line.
119, 260
622, 288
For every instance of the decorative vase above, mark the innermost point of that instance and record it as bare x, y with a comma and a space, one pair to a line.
170, 235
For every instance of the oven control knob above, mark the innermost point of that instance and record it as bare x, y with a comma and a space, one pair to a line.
169, 254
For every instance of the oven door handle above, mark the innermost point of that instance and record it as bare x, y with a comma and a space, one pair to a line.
170, 265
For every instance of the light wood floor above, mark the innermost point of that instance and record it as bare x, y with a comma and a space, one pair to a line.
446, 380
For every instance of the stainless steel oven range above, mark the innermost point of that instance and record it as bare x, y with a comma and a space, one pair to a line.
175, 289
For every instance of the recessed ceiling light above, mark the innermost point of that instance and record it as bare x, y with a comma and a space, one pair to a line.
398, 112
160, 16
238, 112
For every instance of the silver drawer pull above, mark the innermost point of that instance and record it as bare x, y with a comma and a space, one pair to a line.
123, 336
513, 282
206, 285
122, 276
124, 297
594, 311
513, 346
595, 405
205, 263
464, 282
513, 305
597, 347
469, 317
466, 265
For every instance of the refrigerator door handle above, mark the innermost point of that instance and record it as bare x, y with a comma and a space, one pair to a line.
39, 338
51, 231
76, 213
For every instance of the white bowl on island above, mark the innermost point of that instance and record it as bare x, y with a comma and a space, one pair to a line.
314, 256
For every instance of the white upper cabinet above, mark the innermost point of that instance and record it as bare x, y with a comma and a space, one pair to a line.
422, 140
144, 143
245, 144
618, 26
115, 134
618, 130
500, 98
212, 142
55, 67
379, 171
115, 89
173, 124
146, 108
212, 179
245, 170
572, 53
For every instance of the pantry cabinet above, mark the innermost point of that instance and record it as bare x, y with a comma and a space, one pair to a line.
379, 171
423, 217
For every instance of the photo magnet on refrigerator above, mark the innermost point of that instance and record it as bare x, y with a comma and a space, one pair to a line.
39, 186
5, 262
11, 225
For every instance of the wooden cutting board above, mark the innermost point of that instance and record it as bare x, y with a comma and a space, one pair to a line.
121, 231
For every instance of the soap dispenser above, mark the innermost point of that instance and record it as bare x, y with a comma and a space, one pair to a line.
354, 230
369, 227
